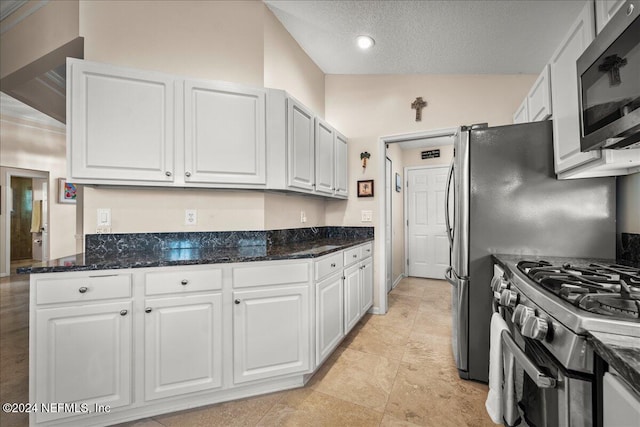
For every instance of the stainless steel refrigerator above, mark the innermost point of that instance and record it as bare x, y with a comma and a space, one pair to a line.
503, 197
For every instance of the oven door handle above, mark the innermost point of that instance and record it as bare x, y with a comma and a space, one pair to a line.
541, 380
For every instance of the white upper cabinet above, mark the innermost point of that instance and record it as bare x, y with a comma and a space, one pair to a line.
564, 93
537, 104
300, 146
325, 157
120, 124
341, 168
224, 133
539, 97
605, 9
305, 153
522, 114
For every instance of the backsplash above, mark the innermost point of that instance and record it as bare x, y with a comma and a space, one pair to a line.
100, 244
629, 247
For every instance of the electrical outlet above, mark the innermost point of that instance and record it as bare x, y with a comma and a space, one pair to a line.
303, 216
190, 217
367, 216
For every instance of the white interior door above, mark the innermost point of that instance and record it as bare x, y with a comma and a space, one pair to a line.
428, 247
387, 227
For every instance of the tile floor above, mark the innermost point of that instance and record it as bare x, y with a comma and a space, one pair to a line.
392, 370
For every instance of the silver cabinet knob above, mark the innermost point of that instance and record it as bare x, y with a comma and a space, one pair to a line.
368, 250
355, 255
521, 314
508, 298
237, 301
83, 289
535, 327
184, 282
147, 310
333, 264
167, 173
123, 312
630, 9
187, 174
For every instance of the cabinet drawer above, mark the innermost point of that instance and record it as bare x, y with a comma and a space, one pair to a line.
182, 281
352, 255
85, 288
367, 250
270, 274
328, 265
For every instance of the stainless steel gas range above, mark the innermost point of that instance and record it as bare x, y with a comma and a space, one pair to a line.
550, 306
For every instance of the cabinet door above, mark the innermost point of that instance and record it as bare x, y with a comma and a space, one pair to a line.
225, 133
271, 334
521, 115
183, 345
605, 9
341, 186
325, 157
83, 356
121, 124
352, 297
300, 150
539, 98
564, 94
367, 284
329, 316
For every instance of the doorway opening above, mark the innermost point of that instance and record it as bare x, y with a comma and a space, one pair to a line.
26, 222
404, 151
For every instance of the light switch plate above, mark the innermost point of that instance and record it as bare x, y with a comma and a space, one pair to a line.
190, 217
104, 218
367, 216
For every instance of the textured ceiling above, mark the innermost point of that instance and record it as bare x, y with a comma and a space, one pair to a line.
429, 37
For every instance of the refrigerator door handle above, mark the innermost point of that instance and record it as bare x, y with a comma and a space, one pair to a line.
446, 205
448, 278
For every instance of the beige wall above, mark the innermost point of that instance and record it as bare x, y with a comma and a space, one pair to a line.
283, 211
25, 145
219, 40
628, 196
368, 107
287, 66
48, 28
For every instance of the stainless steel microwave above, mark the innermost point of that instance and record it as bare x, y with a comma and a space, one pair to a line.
609, 84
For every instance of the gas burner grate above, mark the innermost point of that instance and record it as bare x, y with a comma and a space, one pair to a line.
607, 289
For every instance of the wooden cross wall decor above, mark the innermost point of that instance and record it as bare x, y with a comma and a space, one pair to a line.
612, 66
418, 105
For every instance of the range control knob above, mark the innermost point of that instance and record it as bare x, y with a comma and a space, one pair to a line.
521, 313
508, 298
535, 327
498, 284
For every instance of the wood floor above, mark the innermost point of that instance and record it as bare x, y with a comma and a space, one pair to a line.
392, 370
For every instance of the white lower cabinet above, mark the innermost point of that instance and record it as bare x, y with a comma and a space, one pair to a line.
271, 334
82, 356
183, 345
144, 341
366, 272
329, 316
352, 291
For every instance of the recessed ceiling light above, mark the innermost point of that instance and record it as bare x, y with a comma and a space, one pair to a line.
365, 42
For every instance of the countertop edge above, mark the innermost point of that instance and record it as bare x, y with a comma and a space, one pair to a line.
624, 358
114, 265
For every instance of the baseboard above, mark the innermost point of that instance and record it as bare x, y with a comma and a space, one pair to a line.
398, 279
4, 274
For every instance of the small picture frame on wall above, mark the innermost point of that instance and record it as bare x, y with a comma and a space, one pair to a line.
67, 191
365, 188
398, 183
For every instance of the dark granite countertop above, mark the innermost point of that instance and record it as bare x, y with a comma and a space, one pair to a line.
622, 353
193, 256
